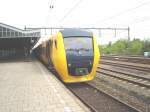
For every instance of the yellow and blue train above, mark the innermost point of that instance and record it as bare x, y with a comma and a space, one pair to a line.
73, 53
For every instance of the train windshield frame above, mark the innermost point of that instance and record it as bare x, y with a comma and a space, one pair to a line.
79, 46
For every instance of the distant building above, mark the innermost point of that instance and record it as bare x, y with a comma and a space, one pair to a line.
15, 42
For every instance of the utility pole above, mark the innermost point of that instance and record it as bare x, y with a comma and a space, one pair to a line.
115, 33
99, 31
51, 31
128, 34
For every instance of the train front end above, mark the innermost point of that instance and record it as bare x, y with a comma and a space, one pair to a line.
82, 55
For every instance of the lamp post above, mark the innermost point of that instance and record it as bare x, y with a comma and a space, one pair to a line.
51, 6
128, 34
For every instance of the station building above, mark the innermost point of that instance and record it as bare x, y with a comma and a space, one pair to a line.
15, 42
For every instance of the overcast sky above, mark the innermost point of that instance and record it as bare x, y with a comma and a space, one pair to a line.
80, 13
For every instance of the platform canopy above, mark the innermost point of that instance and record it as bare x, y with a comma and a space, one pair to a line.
7, 31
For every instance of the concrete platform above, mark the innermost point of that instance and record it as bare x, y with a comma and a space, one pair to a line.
30, 87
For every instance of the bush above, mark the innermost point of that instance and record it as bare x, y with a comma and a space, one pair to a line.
125, 47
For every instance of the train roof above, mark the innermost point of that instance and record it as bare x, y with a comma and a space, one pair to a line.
76, 32
68, 32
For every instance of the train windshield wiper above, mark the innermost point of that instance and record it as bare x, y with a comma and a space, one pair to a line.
77, 50
70, 49
83, 49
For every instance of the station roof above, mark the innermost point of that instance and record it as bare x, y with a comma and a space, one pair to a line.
7, 31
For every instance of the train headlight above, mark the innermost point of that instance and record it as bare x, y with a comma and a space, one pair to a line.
69, 64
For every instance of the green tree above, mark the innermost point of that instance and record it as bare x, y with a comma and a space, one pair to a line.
136, 47
125, 47
119, 47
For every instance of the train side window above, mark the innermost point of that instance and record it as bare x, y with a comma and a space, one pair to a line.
43, 50
52, 42
55, 44
47, 49
40, 50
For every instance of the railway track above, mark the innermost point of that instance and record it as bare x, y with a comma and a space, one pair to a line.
122, 76
127, 73
127, 79
133, 59
130, 93
123, 95
141, 67
97, 100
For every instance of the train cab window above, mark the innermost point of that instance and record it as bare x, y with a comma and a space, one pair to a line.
79, 46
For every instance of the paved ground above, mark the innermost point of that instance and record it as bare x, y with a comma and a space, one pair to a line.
29, 87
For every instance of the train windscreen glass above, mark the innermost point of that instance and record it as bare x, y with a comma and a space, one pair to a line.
79, 46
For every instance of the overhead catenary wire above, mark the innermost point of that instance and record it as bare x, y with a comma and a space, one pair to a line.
139, 20
136, 21
123, 12
73, 8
